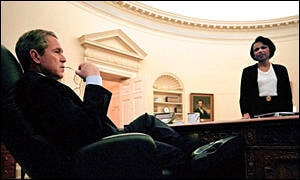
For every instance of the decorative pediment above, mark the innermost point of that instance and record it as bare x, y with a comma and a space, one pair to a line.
113, 52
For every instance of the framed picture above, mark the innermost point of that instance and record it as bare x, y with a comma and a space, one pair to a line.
203, 104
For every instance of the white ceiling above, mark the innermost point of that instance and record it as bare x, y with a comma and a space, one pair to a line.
229, 10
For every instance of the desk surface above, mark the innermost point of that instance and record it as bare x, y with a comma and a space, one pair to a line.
274, 118
270, 149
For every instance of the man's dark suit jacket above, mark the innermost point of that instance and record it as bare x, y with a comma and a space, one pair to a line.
249, 93
203, 115
57, 113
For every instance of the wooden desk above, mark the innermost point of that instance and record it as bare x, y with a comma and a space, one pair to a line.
8, 164
271, 145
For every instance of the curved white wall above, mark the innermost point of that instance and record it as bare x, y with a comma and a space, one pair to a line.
207, 61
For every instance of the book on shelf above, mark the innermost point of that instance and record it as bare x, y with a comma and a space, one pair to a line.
172, 99
276, 114
178, 110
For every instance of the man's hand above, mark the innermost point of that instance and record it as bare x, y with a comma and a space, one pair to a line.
86, 69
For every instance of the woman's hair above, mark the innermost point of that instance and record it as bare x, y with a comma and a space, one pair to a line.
34, 39
265, 41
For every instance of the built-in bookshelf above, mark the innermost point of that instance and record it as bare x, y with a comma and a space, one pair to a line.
168, 96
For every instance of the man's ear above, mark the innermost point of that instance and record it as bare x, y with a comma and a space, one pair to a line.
35, 56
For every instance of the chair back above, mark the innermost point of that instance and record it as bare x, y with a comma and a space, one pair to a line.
125, 156
35, 155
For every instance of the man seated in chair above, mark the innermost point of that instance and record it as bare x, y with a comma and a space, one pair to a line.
57, 113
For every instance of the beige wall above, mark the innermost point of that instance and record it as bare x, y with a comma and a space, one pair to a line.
204, 65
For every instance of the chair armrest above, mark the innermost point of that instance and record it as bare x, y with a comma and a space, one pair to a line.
130, 155
127, 136
121, 142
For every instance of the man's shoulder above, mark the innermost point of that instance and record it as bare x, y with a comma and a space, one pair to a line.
33, 80
29, 78
31, 75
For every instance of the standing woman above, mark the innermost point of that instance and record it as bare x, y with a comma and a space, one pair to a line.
265, 87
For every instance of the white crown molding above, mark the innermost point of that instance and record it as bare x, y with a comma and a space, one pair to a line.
145, 16
190, 22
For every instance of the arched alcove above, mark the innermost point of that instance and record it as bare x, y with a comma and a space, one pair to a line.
168, 96
168, 81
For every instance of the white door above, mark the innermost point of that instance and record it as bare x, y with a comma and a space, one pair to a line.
114, 109
132, 97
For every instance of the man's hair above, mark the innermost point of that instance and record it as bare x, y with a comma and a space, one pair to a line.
265, 41
34, 39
